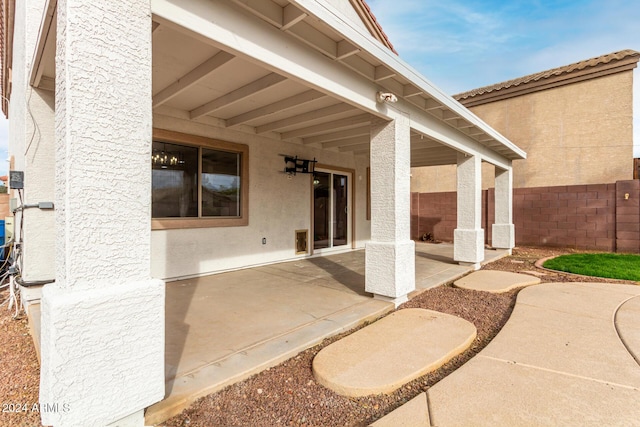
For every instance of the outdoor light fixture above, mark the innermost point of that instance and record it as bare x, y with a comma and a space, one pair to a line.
386, 97
295, 165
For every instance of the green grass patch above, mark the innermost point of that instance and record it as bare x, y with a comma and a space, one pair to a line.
612, 266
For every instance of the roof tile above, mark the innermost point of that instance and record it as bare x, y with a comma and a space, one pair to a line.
567, 69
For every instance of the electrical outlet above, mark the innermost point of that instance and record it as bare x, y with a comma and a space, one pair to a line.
264, 240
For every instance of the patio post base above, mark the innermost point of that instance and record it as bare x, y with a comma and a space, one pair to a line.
396, 301
102, 352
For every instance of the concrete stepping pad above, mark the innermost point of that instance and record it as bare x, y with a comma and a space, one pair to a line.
391, 352
495, 281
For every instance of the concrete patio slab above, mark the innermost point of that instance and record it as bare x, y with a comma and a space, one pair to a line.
391, 352
225, 327
628, 327
414, 413
488, 392
495, 281
558, 361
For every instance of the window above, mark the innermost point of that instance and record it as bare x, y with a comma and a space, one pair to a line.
198, 182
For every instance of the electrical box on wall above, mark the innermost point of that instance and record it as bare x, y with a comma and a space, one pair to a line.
16, 180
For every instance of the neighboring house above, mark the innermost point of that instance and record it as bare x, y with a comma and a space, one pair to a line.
576, 124
162, 129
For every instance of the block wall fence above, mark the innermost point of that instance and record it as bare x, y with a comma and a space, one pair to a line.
603, 217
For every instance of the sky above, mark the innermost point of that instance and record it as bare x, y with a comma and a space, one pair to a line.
464, 44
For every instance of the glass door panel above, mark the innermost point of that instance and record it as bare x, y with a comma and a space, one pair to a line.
340, 210
321, 209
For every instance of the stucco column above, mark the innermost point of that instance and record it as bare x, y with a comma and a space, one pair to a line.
502, 231
103, 319
468, 237
390, 255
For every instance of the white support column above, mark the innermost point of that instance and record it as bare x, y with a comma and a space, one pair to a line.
502, 231
468, 237
103, 319
390, 256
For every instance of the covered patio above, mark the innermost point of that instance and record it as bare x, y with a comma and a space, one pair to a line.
194, 138
223, 328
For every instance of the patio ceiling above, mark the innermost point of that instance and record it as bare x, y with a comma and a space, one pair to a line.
197, 80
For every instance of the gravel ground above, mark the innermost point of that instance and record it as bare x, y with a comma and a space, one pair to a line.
288, 394
20, 371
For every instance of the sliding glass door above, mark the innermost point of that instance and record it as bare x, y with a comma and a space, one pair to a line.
331, 209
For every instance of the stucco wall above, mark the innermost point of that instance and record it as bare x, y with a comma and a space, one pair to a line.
636, 113
278, 205
31, 143
576, 134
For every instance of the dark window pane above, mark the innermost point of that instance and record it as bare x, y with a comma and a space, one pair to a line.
221, 183
321, 210
174, 181
340, 202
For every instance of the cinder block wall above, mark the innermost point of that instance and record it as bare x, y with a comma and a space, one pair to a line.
591, 217
628, 216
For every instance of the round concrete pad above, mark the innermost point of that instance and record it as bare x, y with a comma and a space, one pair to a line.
495, 281
391, 352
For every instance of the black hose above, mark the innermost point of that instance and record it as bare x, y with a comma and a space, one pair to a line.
33, 282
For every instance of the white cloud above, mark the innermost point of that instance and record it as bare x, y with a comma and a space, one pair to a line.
461, 47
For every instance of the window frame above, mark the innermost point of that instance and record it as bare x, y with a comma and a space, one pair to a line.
201, 142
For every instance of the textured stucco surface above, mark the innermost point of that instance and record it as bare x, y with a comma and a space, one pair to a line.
39, 225
390, 180
278, 206
102, 352
390, 268
469, 192
575, 134
468, 237
503, 230
636, 113
468, 245
390, 261
103, 116
102, 338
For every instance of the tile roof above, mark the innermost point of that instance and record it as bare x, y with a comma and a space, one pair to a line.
565, 71
365, 12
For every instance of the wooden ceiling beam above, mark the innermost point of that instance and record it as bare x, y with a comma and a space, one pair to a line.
276, 107
245, 91
320, 113
192, 77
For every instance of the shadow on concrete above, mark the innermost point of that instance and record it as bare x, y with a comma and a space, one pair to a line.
352, 280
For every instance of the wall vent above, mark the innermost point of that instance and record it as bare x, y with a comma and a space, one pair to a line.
302, 237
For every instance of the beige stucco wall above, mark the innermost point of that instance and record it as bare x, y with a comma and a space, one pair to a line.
278, 206
580, 133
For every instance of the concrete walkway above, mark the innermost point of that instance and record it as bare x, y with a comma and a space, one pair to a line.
567, 356
222, 328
